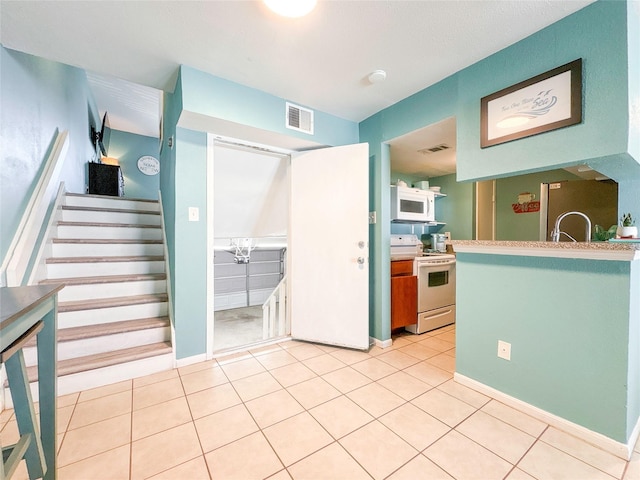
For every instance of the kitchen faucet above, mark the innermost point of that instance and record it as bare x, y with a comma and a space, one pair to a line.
555, 233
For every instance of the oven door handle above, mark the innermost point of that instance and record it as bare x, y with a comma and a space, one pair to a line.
441, 314
435, 264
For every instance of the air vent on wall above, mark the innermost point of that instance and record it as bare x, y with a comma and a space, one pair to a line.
299, 118
437, 148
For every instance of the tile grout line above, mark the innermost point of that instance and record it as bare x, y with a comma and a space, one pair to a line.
540, 439
345, 395
64, 434
130, 436
193, 420
305, 410
316, 375
515, 465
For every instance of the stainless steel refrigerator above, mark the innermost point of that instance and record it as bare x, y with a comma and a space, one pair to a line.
596, 199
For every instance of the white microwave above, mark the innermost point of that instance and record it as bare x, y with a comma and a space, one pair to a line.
412, 205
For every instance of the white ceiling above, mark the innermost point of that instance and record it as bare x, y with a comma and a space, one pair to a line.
131, 107
321, 61
427, 152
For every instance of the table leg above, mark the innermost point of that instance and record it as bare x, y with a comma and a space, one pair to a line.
48, 388
25, 413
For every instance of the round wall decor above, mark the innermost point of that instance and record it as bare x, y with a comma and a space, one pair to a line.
149, 165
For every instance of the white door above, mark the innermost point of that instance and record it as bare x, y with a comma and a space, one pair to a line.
328, 246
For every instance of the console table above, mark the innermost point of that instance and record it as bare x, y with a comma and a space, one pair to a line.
25, 312
105, 180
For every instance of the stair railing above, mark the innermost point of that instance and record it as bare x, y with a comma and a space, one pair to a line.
275, 321
25, 240
39, 267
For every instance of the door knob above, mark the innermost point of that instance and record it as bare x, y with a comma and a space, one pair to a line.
360, 260
361, 244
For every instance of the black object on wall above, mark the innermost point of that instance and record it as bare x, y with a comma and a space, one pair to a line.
105, 180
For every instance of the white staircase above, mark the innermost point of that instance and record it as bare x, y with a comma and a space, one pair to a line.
113, 323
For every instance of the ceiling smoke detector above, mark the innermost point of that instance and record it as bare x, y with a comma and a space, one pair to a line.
377, 76
437, 148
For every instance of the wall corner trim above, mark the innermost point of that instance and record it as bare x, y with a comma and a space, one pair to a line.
183, 362
380, 343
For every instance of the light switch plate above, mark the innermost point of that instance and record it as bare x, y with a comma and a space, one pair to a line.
372, 217
194, 214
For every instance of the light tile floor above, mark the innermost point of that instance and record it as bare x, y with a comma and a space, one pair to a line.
297, 410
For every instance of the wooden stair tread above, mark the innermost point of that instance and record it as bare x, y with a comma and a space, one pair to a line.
104, 329
114, 259
106, 241
101, 332
78, 305
107, 359
64, 223
110, 210
139, 277
110, 197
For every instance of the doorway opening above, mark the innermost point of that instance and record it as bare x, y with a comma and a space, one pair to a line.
314, 203
249, 188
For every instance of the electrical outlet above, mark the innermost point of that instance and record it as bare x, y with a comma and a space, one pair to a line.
504, 350
194, 214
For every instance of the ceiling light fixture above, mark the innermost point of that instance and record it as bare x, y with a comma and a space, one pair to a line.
377, 76
291, 8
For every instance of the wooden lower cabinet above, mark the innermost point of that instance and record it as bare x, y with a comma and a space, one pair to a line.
404, 294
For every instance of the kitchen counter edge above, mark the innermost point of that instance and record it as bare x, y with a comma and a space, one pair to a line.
582, 250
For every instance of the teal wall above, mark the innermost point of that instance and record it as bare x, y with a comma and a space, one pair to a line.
128, 148
629, 196
457, 209
633, 376
633, 58
379, 263
38, 97
183, 182
424, 108
568, 322
598, 35
216, 97
190, 270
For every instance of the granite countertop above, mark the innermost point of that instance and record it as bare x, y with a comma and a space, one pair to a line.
593, 250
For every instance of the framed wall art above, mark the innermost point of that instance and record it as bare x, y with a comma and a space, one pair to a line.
545, 102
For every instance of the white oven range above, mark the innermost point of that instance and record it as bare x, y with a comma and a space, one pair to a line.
436, 291
436, 274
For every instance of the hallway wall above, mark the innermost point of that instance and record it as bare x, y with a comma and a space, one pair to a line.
39, 97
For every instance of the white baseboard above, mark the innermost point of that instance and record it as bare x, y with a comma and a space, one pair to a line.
380, 343
183, 362
100, 377
614, 447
